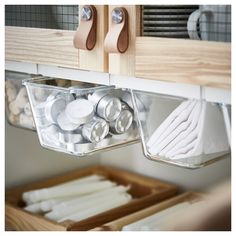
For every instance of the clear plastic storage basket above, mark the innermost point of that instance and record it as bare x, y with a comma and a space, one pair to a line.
183, 132
18, 110
80, 118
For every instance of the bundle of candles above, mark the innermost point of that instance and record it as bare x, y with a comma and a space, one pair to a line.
193, 128
80, 122
19, 110
78, 199
166, 219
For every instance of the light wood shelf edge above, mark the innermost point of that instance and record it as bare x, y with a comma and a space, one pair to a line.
184, 61
41, 46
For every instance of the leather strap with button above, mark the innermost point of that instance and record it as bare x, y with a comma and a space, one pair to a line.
85, 36
117, 38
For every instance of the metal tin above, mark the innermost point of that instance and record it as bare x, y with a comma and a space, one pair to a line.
109, 107
64, 123
96, 130
53, 108
67, 96
131, 133
122, 123
71, 137
80, 148
50, 135
105, 142
126, 97
79, 111
97, 96
42, 121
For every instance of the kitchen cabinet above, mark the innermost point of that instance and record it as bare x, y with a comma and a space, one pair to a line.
153, 58
55, 47
173, 60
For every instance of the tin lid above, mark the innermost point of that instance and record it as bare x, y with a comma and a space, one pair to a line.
64, 123
79, 111
109, 107
123, 122
95, 130
80, 148
53, 108
97, 96
70, 136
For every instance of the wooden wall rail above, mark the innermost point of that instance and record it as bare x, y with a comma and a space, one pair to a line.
42, 46
184, 61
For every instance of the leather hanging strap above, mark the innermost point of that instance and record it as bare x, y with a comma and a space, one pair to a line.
85, 36
117, 38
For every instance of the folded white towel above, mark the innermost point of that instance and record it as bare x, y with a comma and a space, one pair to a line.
185, 146
192, 129
182, 117
211, 135
152, 140
182, 128
193, 119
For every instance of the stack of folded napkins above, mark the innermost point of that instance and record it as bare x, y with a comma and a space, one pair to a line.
195, 127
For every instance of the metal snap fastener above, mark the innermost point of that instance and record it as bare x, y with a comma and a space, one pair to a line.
117, 15
86, 13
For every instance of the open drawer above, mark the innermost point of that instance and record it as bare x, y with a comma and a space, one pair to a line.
184, 132
145, 192
81, 118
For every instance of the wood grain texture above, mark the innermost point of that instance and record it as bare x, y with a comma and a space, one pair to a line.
41, 46
118, 224
145, 191
184, 61
20, 220
97, 58
124, 64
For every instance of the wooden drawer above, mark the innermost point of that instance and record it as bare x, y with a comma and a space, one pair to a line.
145, 191
118, 224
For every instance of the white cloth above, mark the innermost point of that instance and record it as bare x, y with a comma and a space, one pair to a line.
194, 128
166, 123
186, 145
192, 121
180, 118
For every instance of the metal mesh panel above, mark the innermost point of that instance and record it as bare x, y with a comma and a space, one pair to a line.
203, 22
42, 16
